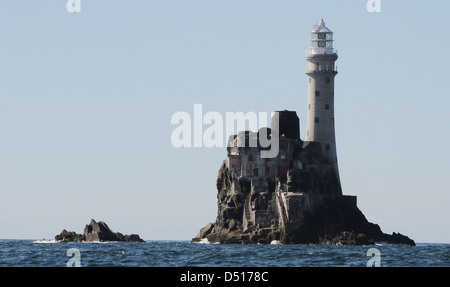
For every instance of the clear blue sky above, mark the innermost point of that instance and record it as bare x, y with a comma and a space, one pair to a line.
86, 101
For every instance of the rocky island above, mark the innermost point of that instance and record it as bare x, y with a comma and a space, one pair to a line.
96, 232
293, 195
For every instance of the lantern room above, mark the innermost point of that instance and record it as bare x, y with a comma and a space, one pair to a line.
322, 40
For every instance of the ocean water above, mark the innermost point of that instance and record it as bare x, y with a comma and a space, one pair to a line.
31, 253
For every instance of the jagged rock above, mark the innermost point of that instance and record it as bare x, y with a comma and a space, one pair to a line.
399, 238
99, 232
96, 232
205, 231
348, 238
132, 238
68, 236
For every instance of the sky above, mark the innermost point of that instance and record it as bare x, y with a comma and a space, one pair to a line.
86, 101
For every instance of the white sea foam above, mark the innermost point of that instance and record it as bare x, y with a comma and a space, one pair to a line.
275, 242
46, 241
203, 241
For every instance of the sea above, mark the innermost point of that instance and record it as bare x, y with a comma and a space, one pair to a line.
47, 253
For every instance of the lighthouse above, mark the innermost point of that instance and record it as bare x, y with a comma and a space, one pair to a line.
321, 71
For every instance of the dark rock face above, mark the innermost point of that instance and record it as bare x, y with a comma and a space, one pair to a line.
348, 238
68, 236
335, 221
399, 238
96, 232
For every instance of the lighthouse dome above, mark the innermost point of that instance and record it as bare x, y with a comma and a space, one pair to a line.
321, 28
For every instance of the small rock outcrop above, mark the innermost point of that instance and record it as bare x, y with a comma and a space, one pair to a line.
96, 232
68, 236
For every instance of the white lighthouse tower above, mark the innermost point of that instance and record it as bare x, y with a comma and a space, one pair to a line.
321, 71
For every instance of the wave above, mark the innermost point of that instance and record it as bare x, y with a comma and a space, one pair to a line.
46, 241
203, 241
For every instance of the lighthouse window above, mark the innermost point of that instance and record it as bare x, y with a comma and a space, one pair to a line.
316, 120
309, 80
327, 106
317, 93
327, 80
309, 107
